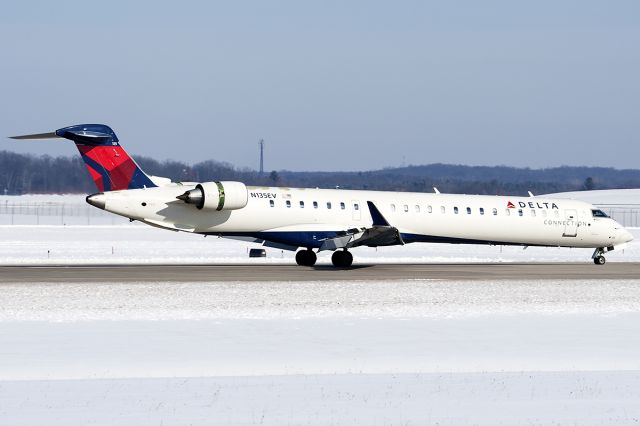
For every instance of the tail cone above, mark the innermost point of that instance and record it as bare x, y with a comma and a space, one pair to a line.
97, 200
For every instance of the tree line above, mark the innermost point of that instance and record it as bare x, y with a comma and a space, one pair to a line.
24, 173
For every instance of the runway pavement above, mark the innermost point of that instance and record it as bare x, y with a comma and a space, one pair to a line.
381, 272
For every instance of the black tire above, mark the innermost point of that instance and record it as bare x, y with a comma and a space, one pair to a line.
311, 257
306, 258
301, 258
341, 259
336, 258
348, 258
599, 260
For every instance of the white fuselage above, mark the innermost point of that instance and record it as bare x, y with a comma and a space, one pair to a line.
304, 217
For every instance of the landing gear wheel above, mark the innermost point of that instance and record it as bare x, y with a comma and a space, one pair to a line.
336, 258
311, 257
306, 258
348, 258
342, 259
599, 260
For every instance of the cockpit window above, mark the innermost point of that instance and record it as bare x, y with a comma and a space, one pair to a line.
598, 213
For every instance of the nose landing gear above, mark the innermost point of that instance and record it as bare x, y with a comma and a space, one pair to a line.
598, 256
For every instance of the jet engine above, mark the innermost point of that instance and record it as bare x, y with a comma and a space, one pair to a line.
217, 196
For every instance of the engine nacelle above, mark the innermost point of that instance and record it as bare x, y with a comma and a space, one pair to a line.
217, 196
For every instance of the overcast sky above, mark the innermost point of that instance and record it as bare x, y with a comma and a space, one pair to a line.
331, 85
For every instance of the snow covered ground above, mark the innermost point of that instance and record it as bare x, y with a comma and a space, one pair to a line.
486, 398
404, 352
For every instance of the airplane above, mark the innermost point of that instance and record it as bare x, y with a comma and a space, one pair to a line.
334, 220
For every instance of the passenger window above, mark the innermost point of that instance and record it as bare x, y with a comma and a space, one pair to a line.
288, 203
455, 210
393, 207
556, 213
356, 206
507, 212
468, 210
302, 204
272, 203
520, 212
544, 213
329, 205
495, 212
342, 207
442, 209
481, 211
417, 208
533, 213
315, 204
406, 208
429, 209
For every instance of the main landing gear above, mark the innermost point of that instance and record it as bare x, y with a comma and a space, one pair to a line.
306, 258
341, 258
598, 256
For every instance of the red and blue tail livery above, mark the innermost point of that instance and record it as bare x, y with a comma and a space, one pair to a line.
109, 165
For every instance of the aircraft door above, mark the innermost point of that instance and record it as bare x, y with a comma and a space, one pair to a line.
356, 208
571, 223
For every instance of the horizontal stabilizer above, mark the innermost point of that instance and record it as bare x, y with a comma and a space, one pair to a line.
87, 134
50, 135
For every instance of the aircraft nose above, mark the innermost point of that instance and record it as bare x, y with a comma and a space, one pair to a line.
624, 235
97, 200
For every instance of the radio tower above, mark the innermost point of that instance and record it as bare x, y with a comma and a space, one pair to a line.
261, 143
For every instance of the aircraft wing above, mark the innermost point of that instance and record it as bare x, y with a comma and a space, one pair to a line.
381, 233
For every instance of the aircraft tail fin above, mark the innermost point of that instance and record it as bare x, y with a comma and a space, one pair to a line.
108, 163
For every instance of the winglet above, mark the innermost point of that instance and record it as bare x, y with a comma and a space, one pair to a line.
378, 219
